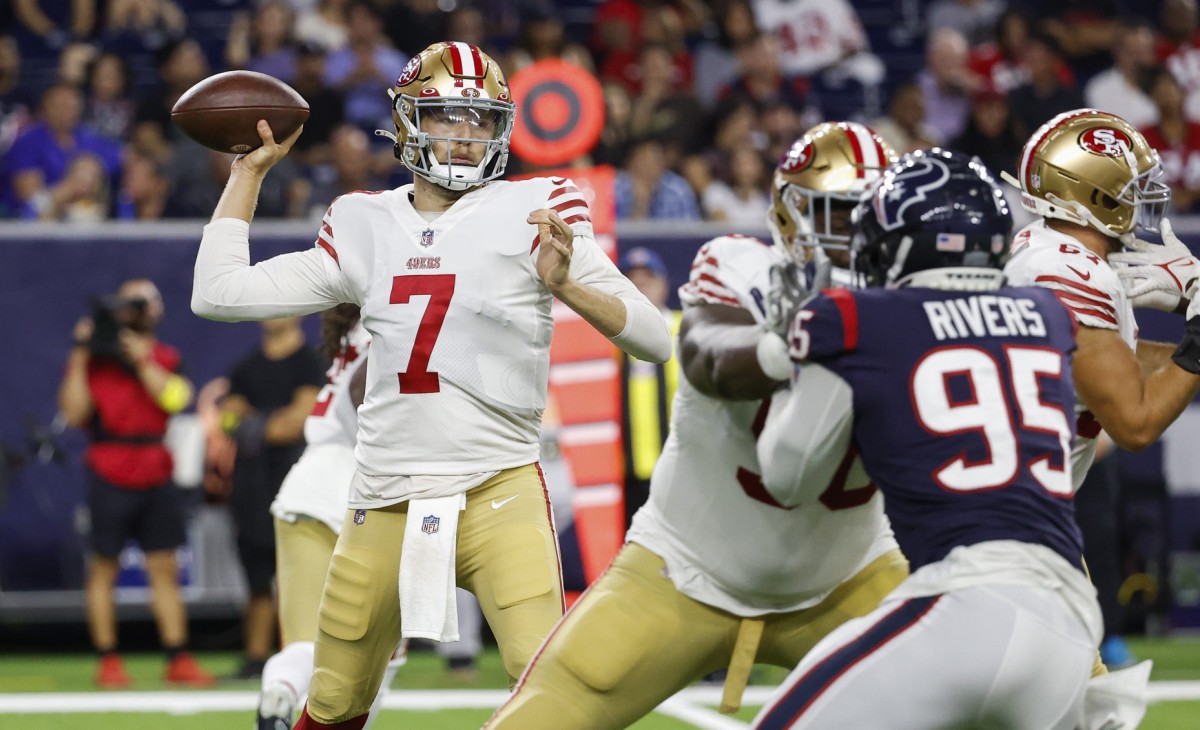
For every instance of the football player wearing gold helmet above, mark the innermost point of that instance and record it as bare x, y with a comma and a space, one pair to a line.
716, 573
455, 276
1093, 179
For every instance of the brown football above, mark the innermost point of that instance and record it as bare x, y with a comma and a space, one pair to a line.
222, 111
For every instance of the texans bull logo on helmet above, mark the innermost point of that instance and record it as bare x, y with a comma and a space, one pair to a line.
903, 189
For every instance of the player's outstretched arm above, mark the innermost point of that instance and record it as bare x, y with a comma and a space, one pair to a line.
226, 287
1133, 409
578, 273
719, 353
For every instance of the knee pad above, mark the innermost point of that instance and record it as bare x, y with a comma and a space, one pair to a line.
529, 568
345, 612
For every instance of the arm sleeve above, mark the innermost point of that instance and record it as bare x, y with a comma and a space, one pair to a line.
806, 436
226, 287
645, 335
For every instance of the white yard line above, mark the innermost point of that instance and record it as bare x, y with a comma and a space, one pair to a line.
691, 705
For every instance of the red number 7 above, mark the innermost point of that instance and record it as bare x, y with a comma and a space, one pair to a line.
439, 288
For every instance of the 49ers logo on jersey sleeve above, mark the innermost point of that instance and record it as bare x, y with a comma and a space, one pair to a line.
1105, 141
798, 157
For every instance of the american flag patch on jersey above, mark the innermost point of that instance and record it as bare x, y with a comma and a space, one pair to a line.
429, 525
951, 242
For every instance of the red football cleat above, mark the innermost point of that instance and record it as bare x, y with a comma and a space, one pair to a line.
111, 674
184, 669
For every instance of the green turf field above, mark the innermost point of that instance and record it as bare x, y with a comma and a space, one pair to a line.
229, 704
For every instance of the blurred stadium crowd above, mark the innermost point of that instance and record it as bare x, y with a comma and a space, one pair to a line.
702, 96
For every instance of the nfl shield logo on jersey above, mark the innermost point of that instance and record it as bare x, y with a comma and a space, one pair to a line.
360, 516
427, 237
429, 525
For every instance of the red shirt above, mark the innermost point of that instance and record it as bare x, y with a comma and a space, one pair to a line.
125, 414
1180, 161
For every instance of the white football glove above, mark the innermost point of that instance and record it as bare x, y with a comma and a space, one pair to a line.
1158, 276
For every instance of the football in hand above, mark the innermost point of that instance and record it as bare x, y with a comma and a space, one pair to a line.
222, 111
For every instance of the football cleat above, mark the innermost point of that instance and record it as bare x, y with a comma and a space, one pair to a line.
184, 669
276, 708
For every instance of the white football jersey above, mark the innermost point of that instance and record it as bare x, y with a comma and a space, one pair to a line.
459, 319
725, 540
317, 485
1086, 285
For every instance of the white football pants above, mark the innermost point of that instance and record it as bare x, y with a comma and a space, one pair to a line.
989, 656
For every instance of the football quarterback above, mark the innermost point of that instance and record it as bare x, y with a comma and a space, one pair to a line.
455, 275
715, 573
959, 391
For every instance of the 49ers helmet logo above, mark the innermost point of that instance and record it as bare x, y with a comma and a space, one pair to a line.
1105, 141
798, 157
411, 69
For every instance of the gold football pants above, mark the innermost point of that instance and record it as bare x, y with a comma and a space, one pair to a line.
302, 552
633, 640
507, 556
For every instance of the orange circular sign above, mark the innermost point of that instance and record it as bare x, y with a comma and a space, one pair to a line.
560, 112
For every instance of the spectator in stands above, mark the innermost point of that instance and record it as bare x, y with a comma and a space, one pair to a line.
1085, 30
327, 107
83, 196
543, 36
271, 391
145, 190
465, 25
109, 109
659, 23
1001, 64
760, 79
715, 57
52, 24
1177, 140
324, 25
38, 163
351, 167
946, 84
366, 65
1118, 89
742, 200
181, 65
122, 385
781, 124
264, 44
414, 24
198, 176
614, 138
664, 109
1044, 95
647, 190
975, 19
813, 34
1179, 49
139, 31
989, 134
904, 126
16, 102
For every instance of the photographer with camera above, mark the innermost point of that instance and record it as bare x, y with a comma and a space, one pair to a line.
122, 385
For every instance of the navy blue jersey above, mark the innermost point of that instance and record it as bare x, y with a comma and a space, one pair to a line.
962, 410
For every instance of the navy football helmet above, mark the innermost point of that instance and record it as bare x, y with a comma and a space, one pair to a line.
935, 218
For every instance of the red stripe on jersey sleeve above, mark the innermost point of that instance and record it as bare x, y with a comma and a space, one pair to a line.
329, 250
577, 218
1075, 285
847, 307
563, 191
1074, 301
537, 238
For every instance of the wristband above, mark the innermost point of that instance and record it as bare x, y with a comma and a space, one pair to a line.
772, 354
1187, 355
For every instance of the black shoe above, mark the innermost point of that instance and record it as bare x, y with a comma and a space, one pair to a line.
250, 669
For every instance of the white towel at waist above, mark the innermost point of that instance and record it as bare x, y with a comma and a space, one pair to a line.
427, 569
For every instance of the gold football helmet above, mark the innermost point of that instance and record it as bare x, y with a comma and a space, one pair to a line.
453, 86
830, 167
1095, 169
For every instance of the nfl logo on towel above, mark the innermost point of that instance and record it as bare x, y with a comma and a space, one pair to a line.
427, 237
429, 525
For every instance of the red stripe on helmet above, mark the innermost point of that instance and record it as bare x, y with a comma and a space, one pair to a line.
478, 66
456, 64
858, 153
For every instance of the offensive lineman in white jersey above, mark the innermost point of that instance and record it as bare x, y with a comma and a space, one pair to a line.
308, 513
714, 572
1094, 180
455, 275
